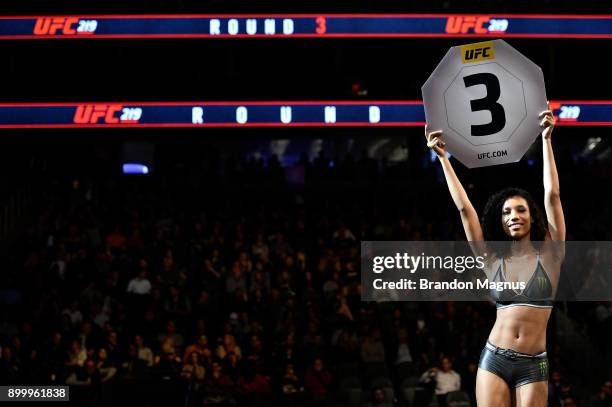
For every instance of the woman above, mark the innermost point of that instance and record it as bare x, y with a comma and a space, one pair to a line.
77, 355
193, 371
227, 346
513, 368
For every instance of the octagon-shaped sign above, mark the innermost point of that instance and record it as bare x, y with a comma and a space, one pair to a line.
486, 98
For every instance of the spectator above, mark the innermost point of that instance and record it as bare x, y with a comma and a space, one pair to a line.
115, 240
379, 399
169, 274
101, 358
177, 305
167, 366
346, 348
333, 285
318, 380
446, 380
603, 398
236, 280
140, 285
232, 366
343, 308
372, 348
193, 371
219, 387
53, 356
343, 238
113, 349
554, 388
136, 241
279, 247
256, 353
286, 353
100, 315
468, 382
260, 248
260, 280
210, 276
170, 338
228, 346
77, 355
291, 387
76, 317
254, 386
10, 369
403, 354
89, 335
570, 401
102, 364
143, 352
133, 369
201, 348
89, 375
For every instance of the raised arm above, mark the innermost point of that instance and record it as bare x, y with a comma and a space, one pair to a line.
469, 217
552, 197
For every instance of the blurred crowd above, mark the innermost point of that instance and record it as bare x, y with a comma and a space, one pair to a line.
233, 292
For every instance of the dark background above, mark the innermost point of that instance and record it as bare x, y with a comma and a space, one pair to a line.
212, 170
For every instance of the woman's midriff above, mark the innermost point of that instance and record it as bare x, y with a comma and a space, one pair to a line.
521, 328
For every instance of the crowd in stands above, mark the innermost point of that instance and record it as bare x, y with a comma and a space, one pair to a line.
156, 292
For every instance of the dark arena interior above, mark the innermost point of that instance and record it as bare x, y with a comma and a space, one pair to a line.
229, 273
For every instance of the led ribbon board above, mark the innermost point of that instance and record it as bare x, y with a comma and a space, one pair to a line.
257, 114
307, 25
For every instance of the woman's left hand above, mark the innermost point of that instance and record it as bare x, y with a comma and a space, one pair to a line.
547, 123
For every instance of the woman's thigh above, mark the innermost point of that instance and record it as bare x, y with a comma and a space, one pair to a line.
532, 394
491, 390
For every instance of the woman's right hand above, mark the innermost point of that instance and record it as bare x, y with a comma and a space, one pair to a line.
434, 141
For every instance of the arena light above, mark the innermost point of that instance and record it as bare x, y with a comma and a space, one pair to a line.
593, 142
135, 168
591, 147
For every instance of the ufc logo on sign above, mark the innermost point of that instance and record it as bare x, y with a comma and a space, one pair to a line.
64, 26
475, 53
91, 114
52, 25
463, 24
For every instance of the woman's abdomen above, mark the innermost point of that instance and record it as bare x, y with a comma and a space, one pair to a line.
521, 328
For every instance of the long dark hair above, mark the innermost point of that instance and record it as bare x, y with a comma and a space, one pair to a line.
492, 228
